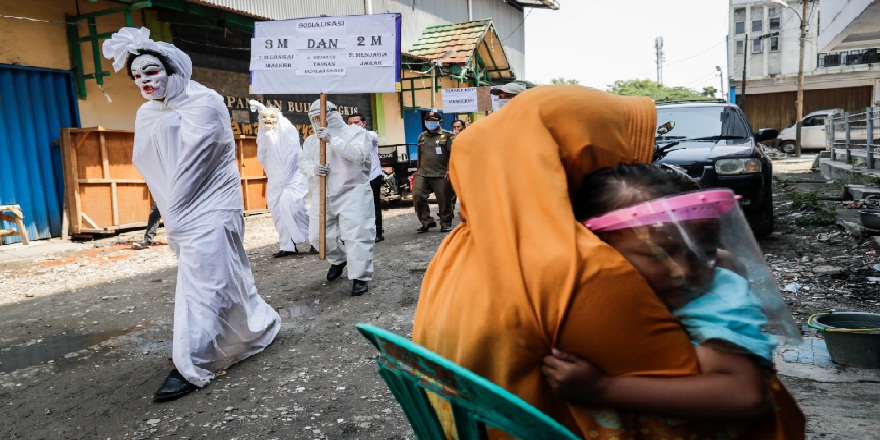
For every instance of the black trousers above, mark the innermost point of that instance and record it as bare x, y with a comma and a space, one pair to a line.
152, 223
376, 185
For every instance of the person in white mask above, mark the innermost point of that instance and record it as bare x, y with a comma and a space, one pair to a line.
377, 177
278, 150
350, 209
184, 149
507, 92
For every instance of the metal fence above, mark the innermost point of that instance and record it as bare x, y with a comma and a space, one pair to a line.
853, 135
848, 58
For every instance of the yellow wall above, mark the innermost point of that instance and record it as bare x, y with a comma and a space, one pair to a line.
36, 44
394, 132
423, 97
44, 44
41, 44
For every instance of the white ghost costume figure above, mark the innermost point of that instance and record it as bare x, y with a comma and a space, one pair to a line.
183, 147
350, 212
278, 150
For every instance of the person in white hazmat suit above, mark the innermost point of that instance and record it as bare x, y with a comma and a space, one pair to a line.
183, 147
278, 150
350, 211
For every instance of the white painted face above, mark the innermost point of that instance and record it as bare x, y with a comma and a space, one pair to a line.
269, 119
150, 76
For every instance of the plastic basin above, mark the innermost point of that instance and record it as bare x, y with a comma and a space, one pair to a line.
853, 338
870, 218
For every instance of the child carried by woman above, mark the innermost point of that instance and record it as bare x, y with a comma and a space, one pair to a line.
694, 249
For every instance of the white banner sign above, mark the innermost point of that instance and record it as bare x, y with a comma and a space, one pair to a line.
350, 54
459, 100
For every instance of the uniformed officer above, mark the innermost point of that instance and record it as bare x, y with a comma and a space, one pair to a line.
432, 174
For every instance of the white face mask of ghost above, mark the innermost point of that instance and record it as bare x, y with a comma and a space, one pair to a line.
269, 119
150, 76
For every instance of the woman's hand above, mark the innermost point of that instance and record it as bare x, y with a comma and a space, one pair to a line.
572, 378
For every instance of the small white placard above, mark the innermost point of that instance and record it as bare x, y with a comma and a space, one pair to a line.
462, 100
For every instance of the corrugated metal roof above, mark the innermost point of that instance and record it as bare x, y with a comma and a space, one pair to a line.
287, 9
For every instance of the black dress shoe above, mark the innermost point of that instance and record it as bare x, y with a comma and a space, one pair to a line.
282, 253
174, 386
359, 287
380, 237
335, 271
425, 228
312, 250
445, 228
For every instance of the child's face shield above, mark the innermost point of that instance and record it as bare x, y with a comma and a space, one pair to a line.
680, 243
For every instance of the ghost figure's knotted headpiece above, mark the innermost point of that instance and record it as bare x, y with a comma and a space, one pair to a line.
128, 44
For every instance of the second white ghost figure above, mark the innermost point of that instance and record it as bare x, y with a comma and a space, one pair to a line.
278, 150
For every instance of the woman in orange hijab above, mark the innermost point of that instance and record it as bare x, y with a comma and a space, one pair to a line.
520, 276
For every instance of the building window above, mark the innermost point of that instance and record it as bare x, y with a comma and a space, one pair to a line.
739, 21
739, 47
757, 25
774, 24
774, 44
756, 46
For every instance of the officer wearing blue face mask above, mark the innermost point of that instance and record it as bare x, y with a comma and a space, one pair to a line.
432, 174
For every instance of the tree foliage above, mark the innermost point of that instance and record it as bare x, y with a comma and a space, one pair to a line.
658, 92
562, 80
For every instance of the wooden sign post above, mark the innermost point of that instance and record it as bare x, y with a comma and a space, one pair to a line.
322, 240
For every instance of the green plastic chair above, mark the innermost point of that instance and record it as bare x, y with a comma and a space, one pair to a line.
411, 371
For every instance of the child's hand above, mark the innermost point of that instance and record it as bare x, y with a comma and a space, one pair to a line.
571, 377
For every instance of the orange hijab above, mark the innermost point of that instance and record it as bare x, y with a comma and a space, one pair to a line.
520, 276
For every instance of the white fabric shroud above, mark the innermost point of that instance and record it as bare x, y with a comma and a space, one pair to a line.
350, 212
183, 147
278, 150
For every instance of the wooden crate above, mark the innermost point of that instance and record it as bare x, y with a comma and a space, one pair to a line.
105, 193
253, 177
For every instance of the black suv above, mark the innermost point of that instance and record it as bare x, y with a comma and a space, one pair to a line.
715, 144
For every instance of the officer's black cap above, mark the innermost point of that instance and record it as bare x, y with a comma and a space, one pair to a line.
433, 116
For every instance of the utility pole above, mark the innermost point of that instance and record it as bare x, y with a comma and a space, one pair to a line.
742, 102
800, 82
658, 47
720, 77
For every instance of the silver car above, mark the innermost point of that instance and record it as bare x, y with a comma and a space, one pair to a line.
812, 132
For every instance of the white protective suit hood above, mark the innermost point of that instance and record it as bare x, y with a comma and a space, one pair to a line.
346, 154
335, 124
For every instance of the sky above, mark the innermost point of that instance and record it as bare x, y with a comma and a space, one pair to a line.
600, 41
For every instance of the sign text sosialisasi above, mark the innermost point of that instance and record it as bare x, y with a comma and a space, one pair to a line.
322, 47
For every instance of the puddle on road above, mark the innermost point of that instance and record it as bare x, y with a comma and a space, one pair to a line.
300, 311
52, 349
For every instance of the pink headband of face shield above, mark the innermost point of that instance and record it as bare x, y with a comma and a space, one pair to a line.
698, 205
